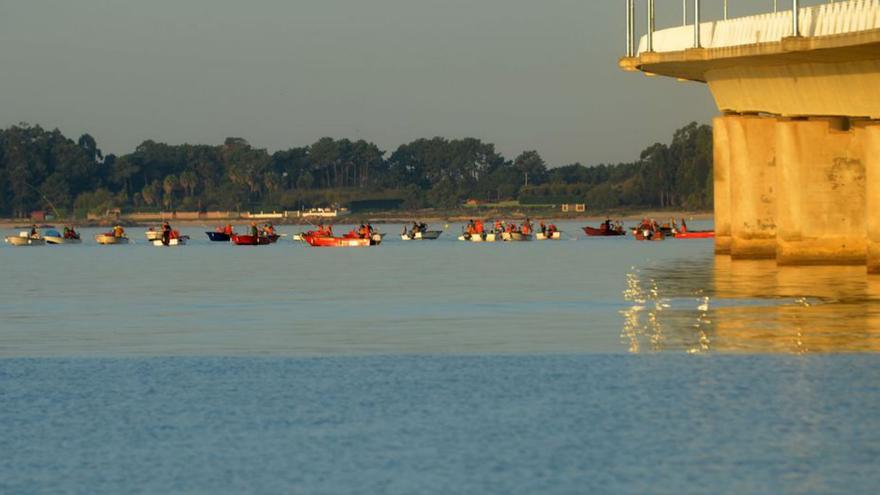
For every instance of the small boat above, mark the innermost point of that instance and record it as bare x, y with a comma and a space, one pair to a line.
516, 236
315, 239
180, 241
219, 236
600, 232
484, 237
25, 239
249, 240
428, 235
175, 239
555, 236
153, 234
648, 235
55, 237
695, 234
108, 238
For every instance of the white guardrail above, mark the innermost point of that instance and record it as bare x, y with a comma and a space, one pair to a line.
821, 20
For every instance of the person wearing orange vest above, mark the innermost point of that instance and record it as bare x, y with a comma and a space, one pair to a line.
478, 227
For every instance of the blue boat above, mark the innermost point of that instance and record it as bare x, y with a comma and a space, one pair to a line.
218, 236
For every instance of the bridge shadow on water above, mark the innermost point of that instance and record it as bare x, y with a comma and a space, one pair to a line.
729, 305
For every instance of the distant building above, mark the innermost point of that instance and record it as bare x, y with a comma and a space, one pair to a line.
324, 212
574, 208
38, 216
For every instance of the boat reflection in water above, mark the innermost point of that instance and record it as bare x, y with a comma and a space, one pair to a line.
751, 306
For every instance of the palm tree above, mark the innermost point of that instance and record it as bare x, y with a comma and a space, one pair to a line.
170, 184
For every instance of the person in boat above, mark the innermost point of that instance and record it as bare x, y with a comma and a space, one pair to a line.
551, 229
370, 230
478, 227
471, 228
543, 228
35, 232
118, 231
416, 228
228, 229
166, 233
268, 229
684, 227
66, 232
255, 232
527, 227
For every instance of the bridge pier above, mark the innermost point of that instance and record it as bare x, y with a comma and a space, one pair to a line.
721, 180
752, 175
820, 177
869, 136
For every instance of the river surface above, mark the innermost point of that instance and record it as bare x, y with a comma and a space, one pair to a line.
586, 365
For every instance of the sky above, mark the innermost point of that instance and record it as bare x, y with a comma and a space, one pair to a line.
523, 74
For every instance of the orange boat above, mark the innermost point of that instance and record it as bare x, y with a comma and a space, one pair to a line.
320, 239
696, 234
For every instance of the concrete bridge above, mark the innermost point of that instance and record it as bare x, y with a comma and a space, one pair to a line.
797, 144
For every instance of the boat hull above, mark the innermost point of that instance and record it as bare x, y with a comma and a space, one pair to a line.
640, 235
153, 235
544, 237
108, 239
594, 232
249, 240
180, 241
17, 240
697, 234
428, 235
478, 237
329, 241
219, 236
516, 237
51, 239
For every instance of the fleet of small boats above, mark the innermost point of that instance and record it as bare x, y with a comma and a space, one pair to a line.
365, 236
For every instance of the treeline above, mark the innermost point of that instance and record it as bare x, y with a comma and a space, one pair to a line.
41, 169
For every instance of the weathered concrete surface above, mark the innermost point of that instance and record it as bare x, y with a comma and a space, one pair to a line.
721, 180
820, 195
752, 154
869, 136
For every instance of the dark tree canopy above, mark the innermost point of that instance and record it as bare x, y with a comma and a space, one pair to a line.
40, 169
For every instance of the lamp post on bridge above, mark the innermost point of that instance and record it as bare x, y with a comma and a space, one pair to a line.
795, 13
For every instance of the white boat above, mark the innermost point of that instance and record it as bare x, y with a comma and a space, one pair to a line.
485, 237
555, 236
178, 241
55, 237
428, 235
24, 239
516, 236
107, 239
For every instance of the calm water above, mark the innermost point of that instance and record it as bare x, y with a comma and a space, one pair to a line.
584, 365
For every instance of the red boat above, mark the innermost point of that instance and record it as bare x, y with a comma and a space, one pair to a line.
249, 240
594, 232
695, 234
316, 239
639, 235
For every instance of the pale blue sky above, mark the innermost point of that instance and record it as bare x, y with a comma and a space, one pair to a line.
524, 74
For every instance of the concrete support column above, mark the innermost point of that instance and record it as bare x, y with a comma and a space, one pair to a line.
869, 137
721, 179
752, 145
820, 177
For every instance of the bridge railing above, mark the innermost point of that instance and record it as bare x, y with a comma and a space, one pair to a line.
821, 20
